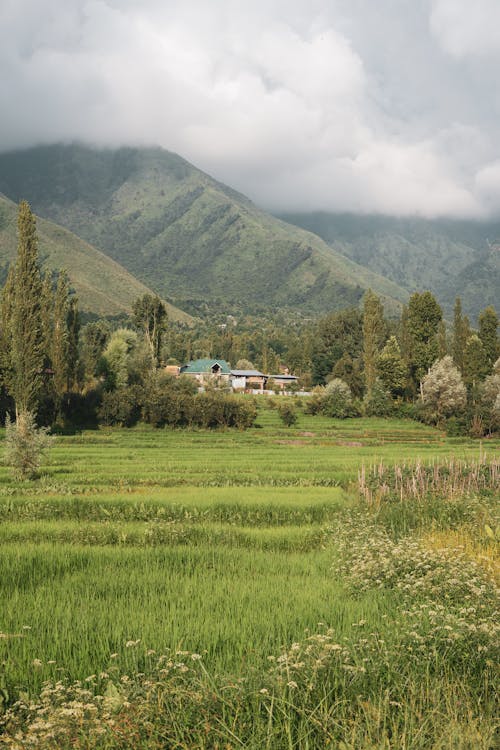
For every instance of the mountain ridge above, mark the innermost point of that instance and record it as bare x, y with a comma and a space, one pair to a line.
450, 257
185, 234
101, 284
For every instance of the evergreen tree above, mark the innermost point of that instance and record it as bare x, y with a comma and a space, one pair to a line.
392, 368
47, 318
442, 340
5, 330
461, 332
373, 336
95, 336
488, 327
25, 324
424, 315
60, 339
73, 324
349, 370
336, 334
476, 365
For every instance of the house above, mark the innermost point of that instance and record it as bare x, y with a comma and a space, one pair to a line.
208, 370
248, 380
283, 381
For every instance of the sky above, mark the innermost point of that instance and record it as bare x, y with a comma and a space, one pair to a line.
372, 106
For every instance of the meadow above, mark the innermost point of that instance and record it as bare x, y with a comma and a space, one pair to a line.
220, 589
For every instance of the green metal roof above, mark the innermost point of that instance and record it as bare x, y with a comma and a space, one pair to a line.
205, 365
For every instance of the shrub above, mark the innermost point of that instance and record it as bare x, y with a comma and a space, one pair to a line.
121, 407
25, 445
287, 412
314, 403
379, 402
337, 399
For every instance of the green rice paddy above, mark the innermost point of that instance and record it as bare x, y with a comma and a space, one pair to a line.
219, 543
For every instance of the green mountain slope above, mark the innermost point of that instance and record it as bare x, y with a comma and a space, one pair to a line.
184, 234
448, 257
102, 285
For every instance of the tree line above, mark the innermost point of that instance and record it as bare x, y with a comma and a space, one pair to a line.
355, 360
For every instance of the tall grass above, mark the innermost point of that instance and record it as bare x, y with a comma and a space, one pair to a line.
447, 478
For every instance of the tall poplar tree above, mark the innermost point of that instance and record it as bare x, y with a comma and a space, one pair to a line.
5, 330
461, 332
60, 339
73, 339
373, 337
26, 325
488, 327
150, 317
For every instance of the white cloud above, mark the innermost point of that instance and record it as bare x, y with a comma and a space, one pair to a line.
466, 28
334, 105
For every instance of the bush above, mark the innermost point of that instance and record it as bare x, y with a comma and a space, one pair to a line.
314, 403
121, 407
25, 445
379, 402
337, 399
287, 412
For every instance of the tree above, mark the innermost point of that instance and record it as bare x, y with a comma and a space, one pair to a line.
424, 315
73, 323
47, 318
373, 336
442, 339
336, 334
337, 399
476, 365
490, 398
150, 317
378, 403
116, 356
25, 321
349, 370
94, 339
461, 332
488, 327
5, 330
244, 364
391, 368
443, 390
60, 339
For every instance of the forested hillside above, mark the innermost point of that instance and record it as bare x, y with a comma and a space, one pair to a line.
450, 258
102, 285
184, 234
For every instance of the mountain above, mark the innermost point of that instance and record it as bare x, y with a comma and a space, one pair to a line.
187, 236
449, 257
102, 285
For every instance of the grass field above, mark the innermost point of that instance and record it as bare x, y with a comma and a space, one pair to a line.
237, 547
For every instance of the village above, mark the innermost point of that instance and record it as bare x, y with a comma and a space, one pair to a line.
218, 373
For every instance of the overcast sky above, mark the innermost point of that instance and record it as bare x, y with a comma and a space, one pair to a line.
387, 106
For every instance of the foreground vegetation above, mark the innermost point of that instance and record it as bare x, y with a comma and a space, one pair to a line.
198, 589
